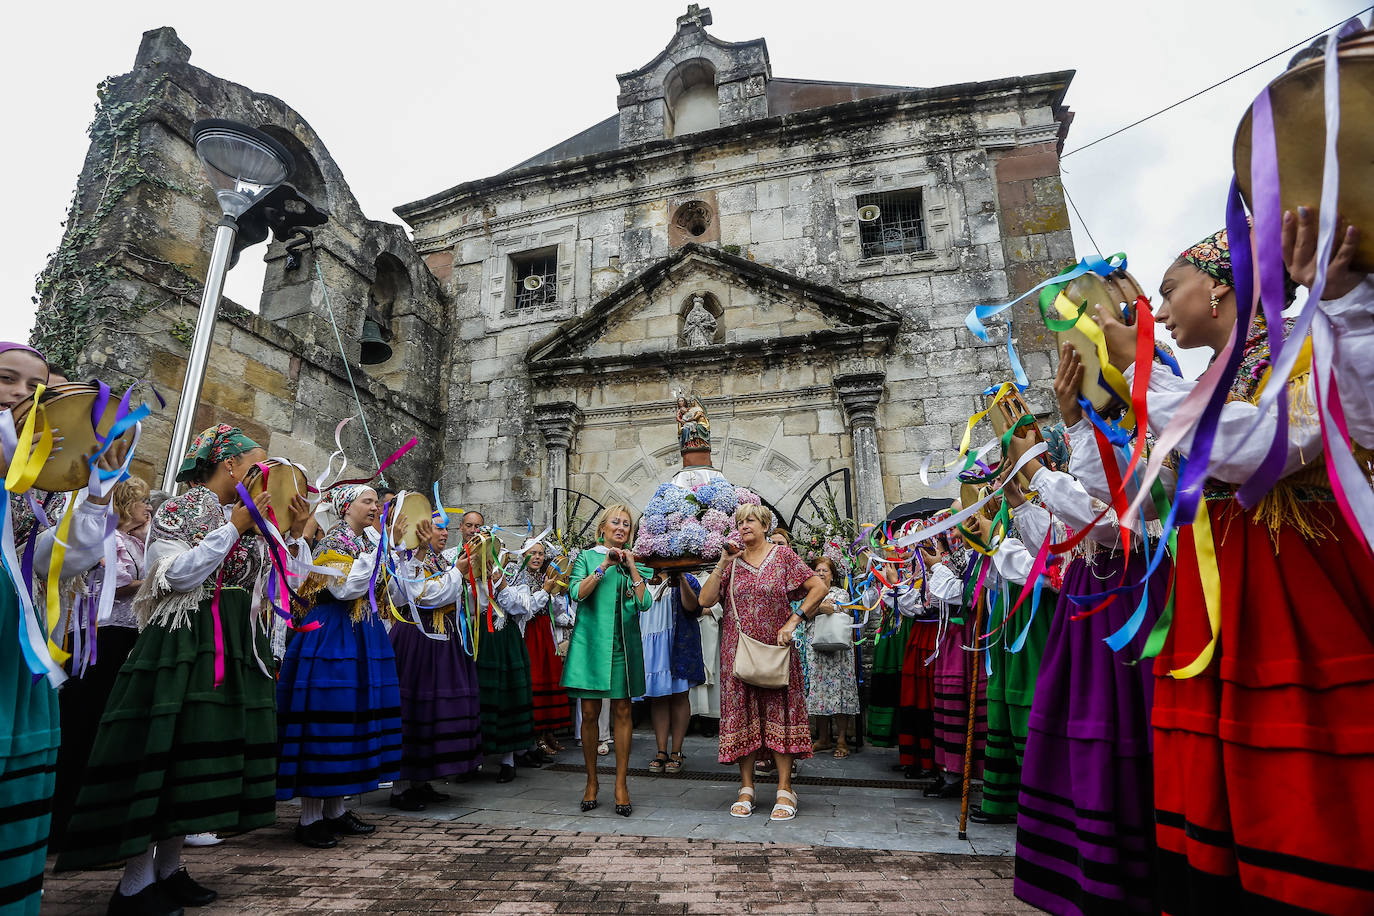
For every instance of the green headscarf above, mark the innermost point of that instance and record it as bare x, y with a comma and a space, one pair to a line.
211, 447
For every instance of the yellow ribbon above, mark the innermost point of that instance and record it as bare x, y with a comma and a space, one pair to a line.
1006, 389
1090, 329
1206, 550
59, 549
27, 460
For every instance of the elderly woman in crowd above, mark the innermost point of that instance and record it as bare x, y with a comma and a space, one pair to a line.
832, 689
606, 657
758, 582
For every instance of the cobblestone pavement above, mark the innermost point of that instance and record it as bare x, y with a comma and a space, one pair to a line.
864, 841
435, 867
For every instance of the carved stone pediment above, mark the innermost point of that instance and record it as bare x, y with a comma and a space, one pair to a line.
659, 320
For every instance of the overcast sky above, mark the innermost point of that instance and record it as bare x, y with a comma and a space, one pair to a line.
412, 98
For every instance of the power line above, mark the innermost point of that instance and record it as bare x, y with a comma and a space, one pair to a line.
1305, 41
1081, 221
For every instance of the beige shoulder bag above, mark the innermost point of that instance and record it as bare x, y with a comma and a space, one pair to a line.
758, 663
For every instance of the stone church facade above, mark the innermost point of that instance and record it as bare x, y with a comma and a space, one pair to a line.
798, 254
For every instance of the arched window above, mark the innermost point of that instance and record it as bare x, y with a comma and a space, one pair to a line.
690, 95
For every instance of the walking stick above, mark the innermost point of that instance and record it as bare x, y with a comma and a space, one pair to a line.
972, 714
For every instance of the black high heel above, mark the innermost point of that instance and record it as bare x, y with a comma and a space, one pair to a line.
624, 810
589, 804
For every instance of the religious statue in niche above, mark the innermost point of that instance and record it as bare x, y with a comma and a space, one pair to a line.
693, 426
699, 327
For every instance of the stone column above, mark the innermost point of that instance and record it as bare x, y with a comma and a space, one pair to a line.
860, 394
558, 422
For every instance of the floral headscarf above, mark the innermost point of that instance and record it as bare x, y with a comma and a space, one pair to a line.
211, 447
1212, 256
342, 497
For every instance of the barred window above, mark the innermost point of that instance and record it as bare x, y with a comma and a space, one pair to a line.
891, 223
534, 276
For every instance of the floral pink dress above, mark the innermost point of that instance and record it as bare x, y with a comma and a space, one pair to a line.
759, 601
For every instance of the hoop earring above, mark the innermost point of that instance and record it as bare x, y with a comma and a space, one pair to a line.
1215, 303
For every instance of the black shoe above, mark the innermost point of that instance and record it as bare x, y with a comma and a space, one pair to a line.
914, 771
589, 804
316, 835
947, 786
624, 810
187, 891
151, 901
409, 800
528, 761
538, 756
431, 794
507, 773
348, 824
979, 817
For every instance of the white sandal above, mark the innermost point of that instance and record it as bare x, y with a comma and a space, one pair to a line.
789, 811
743, 808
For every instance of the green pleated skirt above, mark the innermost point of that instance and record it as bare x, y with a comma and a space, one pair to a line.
174, 753
507, 698
28, 767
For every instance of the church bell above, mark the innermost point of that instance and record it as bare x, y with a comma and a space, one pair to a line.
375, 349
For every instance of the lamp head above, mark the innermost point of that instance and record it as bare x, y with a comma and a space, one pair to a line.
242, 163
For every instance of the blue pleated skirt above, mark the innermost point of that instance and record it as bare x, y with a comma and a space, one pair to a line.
338, 707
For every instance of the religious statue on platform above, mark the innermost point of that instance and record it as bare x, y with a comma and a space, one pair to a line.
693, 426
699, 327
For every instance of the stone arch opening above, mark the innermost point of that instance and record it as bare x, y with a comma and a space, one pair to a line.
690, 97
701, 320
307, 178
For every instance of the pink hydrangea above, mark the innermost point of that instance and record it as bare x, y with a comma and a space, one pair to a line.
710, 547
747, 496
717, 521
655, 545
674, 520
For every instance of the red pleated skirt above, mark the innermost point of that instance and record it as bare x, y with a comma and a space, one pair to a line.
916, 715
1264, 763
552, 713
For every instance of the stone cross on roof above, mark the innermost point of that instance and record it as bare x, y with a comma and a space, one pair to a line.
695, 16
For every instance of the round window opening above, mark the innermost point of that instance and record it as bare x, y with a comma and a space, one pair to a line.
694, 217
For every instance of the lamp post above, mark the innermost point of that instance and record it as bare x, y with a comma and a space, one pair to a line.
244, 165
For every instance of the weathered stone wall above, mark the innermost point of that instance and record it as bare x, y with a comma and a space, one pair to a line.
783, 190
140, 233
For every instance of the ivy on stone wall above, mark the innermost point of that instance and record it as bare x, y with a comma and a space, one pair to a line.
74, 294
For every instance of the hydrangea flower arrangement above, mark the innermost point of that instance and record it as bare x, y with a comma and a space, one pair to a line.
679, 522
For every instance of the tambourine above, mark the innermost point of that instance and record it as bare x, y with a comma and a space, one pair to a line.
970, 493
1005, 414
68, 408
283, 483
416, 508
1112, 293
1297, 98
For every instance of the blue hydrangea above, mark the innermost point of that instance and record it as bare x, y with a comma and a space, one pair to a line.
691, 538
656, 524
668, 499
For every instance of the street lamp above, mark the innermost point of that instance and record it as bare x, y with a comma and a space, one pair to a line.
244, 166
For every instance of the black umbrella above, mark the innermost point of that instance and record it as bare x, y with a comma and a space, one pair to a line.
920, 508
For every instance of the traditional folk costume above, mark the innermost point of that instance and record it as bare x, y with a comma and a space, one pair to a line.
551, 710
440, 706
1263, 756
188, 740
1264, 802
1011, 675
83, 698
339, 705
757, 602
503, 673
954, 670
31, 738
1085, 821
885, 684
916, 712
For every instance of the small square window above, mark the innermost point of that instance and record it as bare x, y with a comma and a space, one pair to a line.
891, 223
534, 279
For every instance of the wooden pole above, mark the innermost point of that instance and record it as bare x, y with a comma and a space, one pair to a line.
972, 715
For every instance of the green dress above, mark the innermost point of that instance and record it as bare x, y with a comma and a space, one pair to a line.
606, 655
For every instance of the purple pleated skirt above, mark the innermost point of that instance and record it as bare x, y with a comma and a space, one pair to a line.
440, 707
954, 669
1085, 831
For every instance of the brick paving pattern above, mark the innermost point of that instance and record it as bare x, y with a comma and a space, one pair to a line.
414, 866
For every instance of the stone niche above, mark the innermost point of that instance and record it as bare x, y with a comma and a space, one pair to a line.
772, 379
